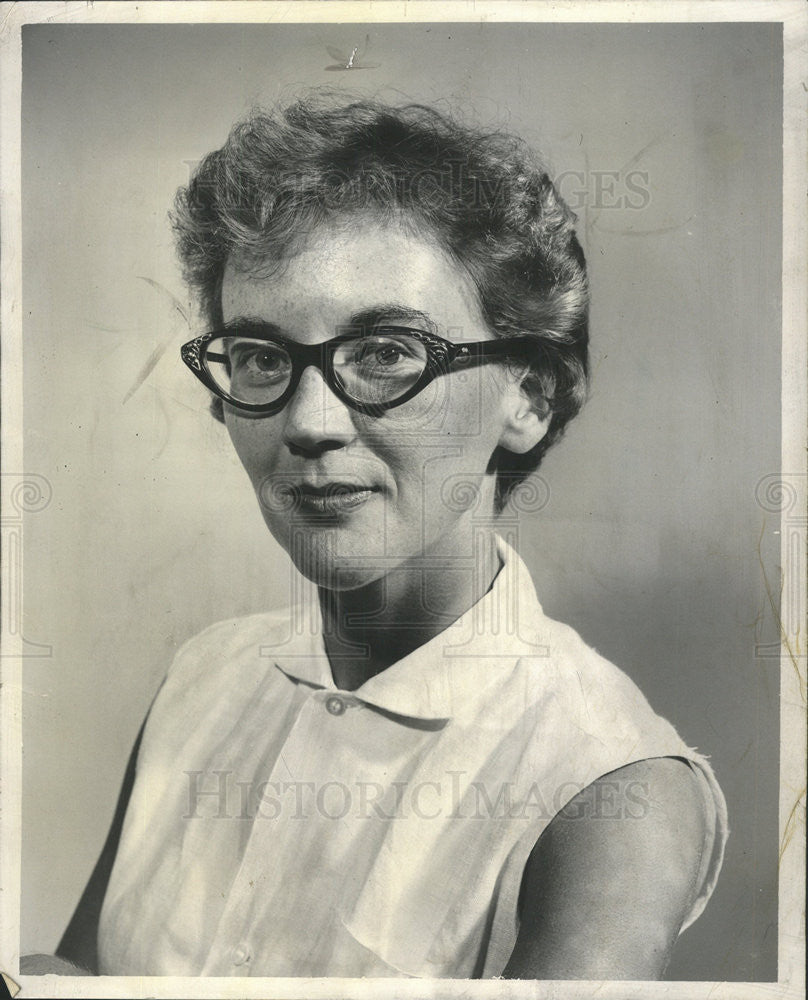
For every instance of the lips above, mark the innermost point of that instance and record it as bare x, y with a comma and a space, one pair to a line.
331, 498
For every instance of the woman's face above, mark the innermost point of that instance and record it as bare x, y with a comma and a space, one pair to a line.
406, 476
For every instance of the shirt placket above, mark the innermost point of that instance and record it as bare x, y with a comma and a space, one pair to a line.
284, 828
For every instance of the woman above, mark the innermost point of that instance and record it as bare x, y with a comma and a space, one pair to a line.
414, 771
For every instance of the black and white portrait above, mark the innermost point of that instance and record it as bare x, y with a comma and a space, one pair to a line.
403, 501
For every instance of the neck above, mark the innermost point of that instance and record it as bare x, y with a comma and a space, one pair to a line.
368, 629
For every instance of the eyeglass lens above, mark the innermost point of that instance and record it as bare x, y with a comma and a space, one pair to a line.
375, 369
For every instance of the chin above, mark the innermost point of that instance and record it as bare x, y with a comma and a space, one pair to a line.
331, 574
332, 558
342, 580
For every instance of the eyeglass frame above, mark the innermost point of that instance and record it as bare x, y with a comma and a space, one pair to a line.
441, 356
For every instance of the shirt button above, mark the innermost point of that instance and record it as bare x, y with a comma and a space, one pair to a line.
241, 955
336, 706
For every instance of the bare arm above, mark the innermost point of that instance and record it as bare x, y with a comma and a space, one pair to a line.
612, 878
79, 944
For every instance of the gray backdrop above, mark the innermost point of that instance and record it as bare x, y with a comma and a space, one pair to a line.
667, 141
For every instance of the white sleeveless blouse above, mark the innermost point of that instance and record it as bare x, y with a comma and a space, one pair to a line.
281, 827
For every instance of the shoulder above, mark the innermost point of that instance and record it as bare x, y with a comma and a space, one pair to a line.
231, 643
215, 674
612, 879
560, 652
572, 688
233, 634
558, 671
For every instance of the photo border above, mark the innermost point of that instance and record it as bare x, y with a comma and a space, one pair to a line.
785, 492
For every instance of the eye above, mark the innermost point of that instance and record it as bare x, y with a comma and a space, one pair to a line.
258, 360
265, 360
385, 354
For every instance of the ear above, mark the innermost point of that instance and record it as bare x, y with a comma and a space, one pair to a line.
525, 421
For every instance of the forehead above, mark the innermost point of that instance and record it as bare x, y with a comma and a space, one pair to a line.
358, 267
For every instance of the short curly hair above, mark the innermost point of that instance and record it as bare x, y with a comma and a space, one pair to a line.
483, 195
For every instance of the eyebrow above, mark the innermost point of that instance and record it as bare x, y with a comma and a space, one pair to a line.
392, 312
373, 316
240, 324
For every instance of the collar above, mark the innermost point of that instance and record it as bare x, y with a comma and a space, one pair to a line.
447, 675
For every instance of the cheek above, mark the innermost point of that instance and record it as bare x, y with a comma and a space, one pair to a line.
255, 442
439, 444
462, 405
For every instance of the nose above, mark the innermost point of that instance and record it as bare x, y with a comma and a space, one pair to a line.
316, 420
